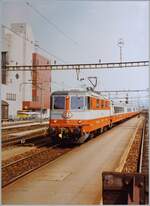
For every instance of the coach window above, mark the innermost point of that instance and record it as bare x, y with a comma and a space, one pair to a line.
77, 102
59, 102
106, 104
128, 109
102, 103
87, 102
97, 103
118, 109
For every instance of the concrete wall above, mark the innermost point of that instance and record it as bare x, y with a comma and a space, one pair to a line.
19, 53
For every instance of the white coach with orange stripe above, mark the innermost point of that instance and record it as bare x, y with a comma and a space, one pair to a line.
77, 115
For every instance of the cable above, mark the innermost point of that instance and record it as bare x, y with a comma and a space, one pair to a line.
51, 23
31, 42
62, 84
137, 97
131, 90
51, 54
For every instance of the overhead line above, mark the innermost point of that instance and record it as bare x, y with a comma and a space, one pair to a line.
31, 42
139, 97
114, 65
51, 54
51, 23
136, 90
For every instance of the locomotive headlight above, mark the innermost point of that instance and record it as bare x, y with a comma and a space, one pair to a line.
55, 121
79, 121
60, 135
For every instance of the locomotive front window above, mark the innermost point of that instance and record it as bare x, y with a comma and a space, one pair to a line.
59, 102
77, 102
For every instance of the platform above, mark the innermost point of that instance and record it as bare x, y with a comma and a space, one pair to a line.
75, 177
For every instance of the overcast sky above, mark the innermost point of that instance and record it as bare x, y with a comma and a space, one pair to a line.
86, 31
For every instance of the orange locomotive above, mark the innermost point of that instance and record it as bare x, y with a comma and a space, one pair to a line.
78, 115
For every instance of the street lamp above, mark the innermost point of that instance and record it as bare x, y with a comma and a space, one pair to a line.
120, 44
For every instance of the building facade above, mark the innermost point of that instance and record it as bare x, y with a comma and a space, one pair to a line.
41, 80
16, 50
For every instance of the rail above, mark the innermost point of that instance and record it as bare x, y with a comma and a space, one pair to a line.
131, 185
19, 168
21, 137
141, 150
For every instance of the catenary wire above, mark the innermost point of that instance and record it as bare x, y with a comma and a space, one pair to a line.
50, 22
31, 42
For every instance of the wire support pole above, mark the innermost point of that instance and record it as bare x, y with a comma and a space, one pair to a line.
120, 54
113, 65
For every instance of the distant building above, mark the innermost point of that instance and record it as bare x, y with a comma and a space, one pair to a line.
40, 86
16, 50
23, 90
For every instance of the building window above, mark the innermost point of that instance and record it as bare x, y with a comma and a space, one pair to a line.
35, 98
17, 76
11, 97
4, 62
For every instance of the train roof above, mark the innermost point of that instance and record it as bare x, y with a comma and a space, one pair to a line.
79, 92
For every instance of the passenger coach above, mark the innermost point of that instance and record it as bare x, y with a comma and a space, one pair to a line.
77, 115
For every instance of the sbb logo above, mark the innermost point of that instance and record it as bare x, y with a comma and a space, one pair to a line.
67, 115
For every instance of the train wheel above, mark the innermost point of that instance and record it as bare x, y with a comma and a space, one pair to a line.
104, 129
91, 135
99, 131
111, 125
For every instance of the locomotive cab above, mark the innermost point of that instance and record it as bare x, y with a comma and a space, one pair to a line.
63, 109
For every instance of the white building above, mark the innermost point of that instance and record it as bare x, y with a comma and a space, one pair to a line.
18, 43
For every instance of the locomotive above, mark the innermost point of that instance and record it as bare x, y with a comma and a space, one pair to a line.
78, 115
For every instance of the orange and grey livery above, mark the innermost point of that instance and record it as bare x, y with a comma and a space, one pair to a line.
78, 115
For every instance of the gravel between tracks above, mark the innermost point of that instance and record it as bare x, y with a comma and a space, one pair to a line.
22, 164
131, 164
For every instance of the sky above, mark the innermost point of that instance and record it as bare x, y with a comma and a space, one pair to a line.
84, 32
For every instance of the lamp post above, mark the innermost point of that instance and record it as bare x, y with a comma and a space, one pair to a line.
120, 44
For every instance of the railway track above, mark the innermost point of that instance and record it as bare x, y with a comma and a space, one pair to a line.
10, 123
144, 159
7, 131
22, 137
137, 159
80, 168
130, 186
21, 165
